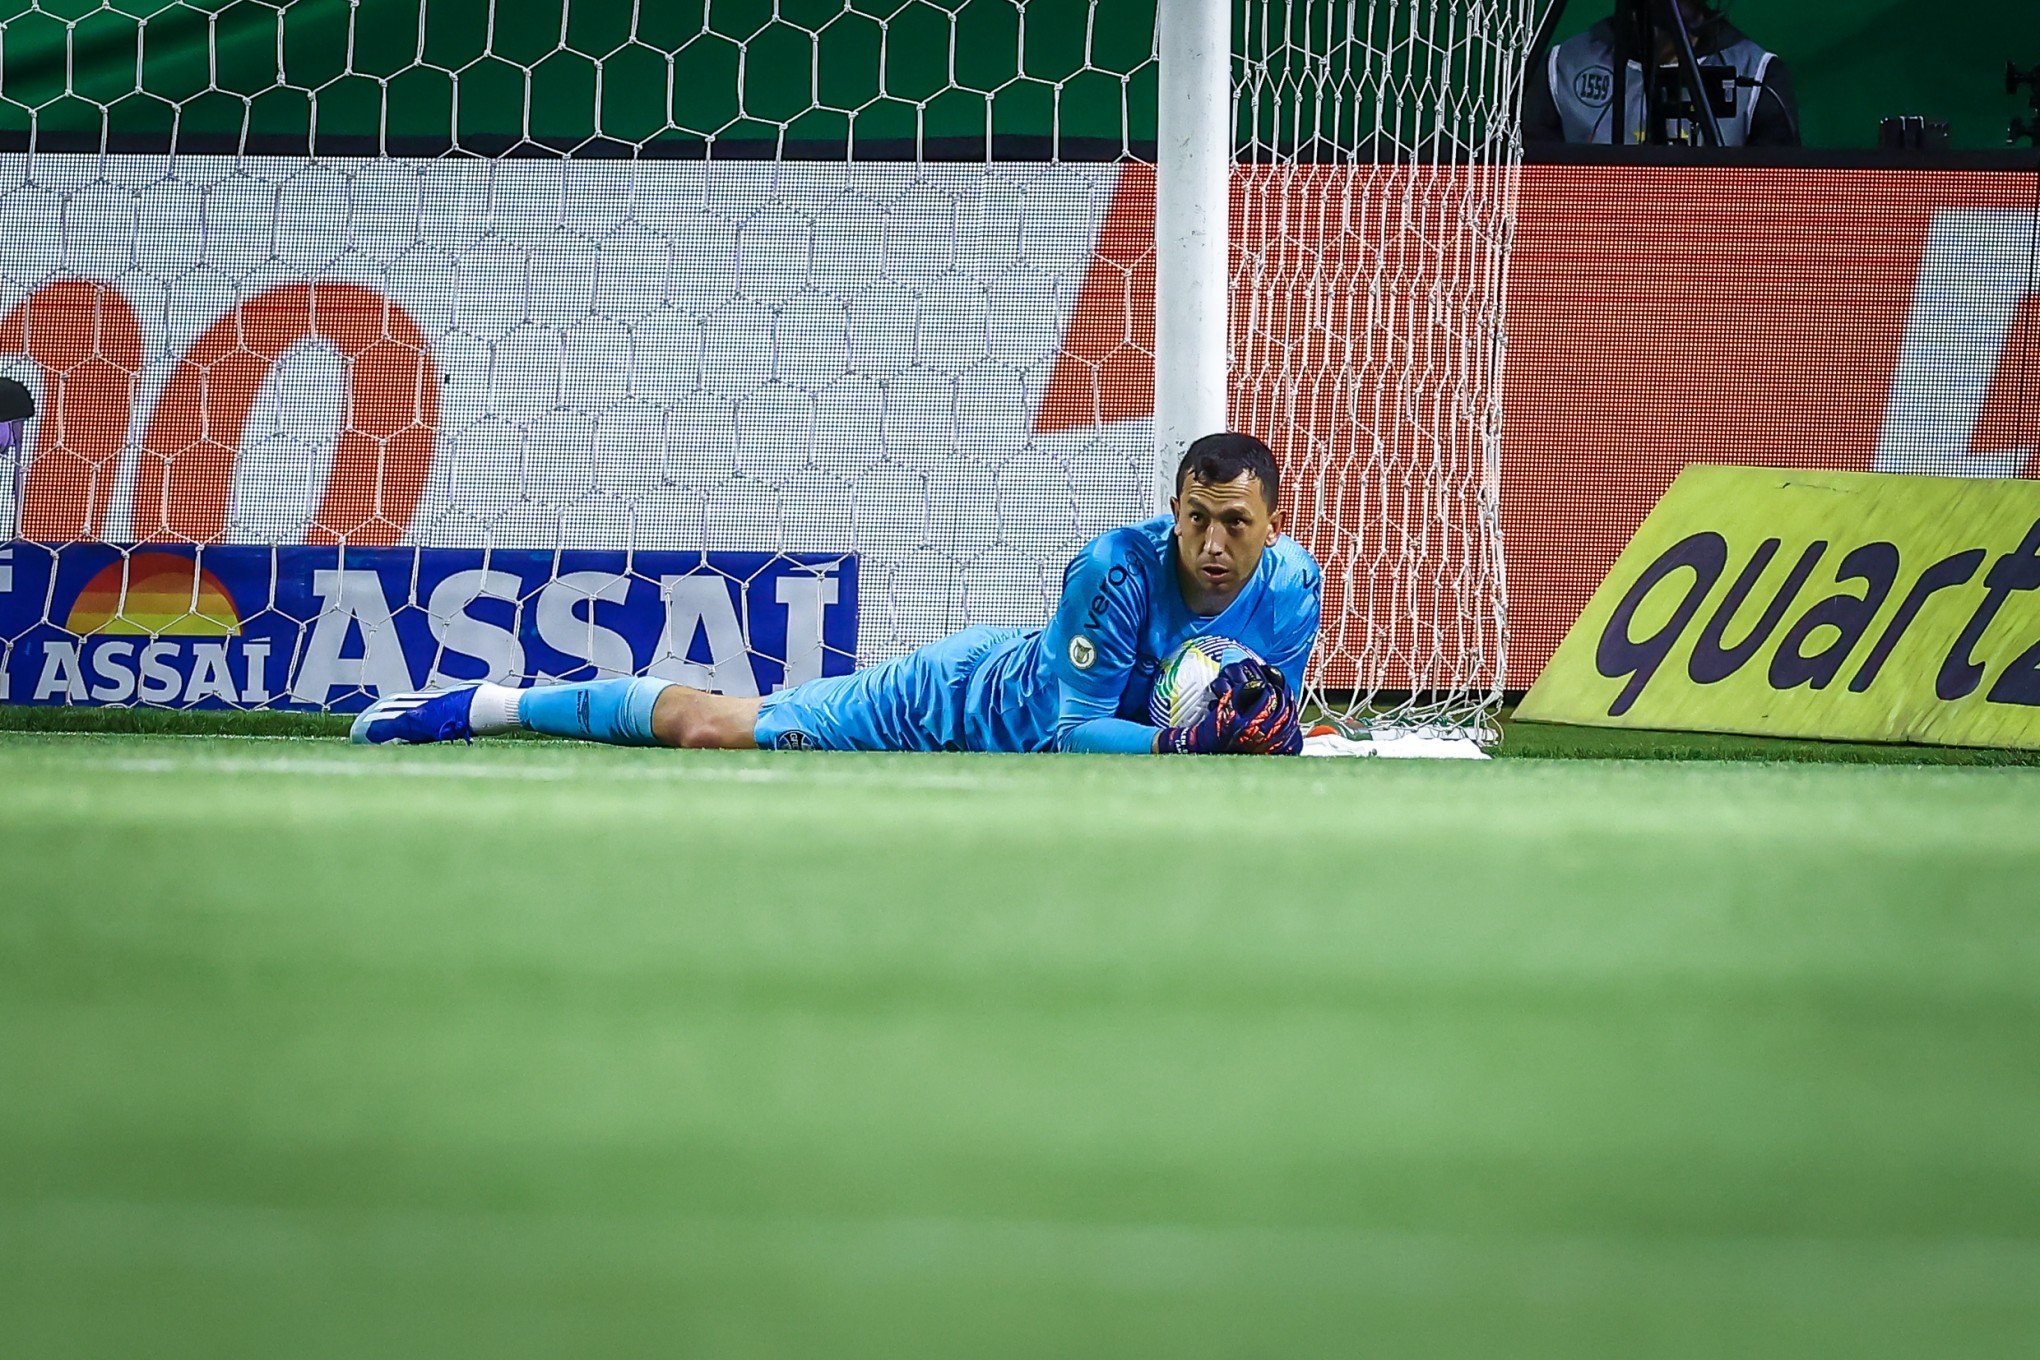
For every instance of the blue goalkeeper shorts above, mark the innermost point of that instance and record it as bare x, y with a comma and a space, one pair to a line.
915, 702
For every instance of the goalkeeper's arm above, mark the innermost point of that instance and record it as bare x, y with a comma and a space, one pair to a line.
1085, 722
1252, 712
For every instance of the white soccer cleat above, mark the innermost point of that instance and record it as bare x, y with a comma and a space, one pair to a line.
417, 718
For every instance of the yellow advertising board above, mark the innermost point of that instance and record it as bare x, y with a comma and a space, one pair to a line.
1853, 606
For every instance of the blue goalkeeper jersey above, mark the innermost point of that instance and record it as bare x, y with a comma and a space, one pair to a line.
1121, 614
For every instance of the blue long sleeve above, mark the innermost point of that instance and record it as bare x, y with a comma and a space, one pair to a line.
1108, 736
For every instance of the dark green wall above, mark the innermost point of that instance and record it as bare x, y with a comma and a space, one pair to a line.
1856, 60
735, 76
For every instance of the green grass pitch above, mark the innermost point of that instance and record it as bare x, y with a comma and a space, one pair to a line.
529, 1049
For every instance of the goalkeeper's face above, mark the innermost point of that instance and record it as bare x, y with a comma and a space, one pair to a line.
1222, 528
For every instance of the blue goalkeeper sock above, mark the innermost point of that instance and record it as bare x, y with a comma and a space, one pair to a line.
617, 711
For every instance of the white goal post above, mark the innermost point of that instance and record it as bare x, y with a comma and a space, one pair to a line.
733, 340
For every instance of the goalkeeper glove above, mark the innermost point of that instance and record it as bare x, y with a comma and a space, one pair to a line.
1268, 725
1246, 704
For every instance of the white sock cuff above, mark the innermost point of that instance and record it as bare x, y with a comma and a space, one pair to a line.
494, 709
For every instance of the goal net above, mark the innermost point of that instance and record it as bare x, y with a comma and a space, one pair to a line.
1380, 149
738, 340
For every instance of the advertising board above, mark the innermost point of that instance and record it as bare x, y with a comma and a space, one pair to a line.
1837, 605
333, 627
945, 370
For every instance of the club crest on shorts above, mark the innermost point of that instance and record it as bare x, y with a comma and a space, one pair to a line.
1083, 652
795, 740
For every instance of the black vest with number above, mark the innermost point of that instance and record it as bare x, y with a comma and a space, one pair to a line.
1583, 85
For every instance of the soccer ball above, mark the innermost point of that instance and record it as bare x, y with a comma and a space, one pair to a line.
1182, 692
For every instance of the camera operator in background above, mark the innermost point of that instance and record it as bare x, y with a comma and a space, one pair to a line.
1576, 95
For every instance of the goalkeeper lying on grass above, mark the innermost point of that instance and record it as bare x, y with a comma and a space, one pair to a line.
1221, 568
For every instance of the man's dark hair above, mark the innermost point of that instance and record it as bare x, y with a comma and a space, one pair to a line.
1223, 457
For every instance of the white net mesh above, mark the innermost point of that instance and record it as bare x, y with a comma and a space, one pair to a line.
1376, 211
811, 281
